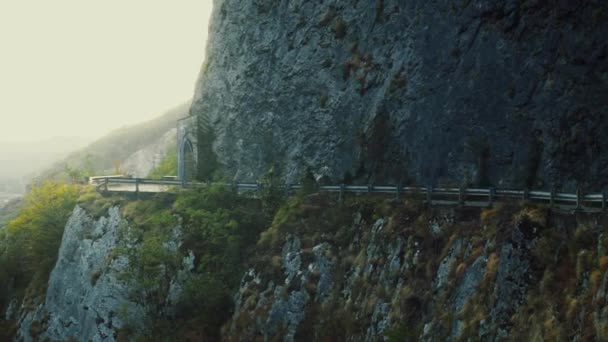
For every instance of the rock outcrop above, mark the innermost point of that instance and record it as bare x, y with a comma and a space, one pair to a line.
509, 93
427, 275
90, 294
86, 299
142, 162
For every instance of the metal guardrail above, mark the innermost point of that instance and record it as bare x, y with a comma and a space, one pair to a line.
460, 196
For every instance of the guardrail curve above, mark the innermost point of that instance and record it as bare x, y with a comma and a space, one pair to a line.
440, 195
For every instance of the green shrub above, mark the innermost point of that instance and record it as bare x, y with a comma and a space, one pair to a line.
33, 238
96, 204
208, 299
168, 166
272, 194
309, 183
400, 333
29, 244
218, 226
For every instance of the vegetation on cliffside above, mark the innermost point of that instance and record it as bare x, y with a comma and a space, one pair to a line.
211, 263
218, 228
373, 267
106, 155
29, 243
167, 166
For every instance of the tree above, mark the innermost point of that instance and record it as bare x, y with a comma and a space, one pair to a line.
37, 231
271, 193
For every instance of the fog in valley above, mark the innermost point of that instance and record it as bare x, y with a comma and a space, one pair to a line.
22, 160
64, 88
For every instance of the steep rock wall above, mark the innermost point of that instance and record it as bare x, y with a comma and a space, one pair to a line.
90, 295
409, 273
86, 299
509, 93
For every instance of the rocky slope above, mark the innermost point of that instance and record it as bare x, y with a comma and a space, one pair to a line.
398, 273
89, 297
142, 162
365, 269
509, 93
85, 297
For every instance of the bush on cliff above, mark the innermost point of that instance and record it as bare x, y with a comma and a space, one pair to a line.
167, 166
219, 227
30, 243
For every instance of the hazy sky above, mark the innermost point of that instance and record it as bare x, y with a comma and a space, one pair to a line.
84, 67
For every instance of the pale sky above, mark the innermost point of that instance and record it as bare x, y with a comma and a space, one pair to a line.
85, 67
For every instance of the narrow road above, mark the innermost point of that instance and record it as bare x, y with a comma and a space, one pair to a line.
578, 202
142, 188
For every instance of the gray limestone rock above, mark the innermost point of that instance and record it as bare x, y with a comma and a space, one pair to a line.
447, 263
510, 93
86, 300
292, 261
513, 278
142, 162
177, 283
323, 267
468, 284
287, 312
466, 289
379, 321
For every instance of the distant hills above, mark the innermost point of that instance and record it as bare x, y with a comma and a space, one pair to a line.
20, 162
18, 158
114, 150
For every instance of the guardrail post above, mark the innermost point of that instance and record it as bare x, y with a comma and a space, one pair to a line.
461, 196
136, 186
341, 196
429, 191
370, 188
526, 195
579, 199
234, 186
491, 193
603, 200
398, 192
106, 181
552, 199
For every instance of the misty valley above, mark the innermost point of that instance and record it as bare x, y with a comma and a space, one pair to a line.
6, 197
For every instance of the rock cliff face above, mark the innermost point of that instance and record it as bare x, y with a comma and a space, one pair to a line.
509, 93
400, 274
90, 295
86, 299
365, 269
